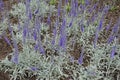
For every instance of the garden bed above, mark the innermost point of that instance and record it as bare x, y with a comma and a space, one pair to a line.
65, 59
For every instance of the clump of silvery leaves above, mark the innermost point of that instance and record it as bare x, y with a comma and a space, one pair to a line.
58, 64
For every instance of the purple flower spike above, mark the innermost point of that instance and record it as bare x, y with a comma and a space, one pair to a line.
94, 17
42, 51
36, 11
40, 47
71, 23
100, 25
93, 8
66, 1
71, 59
63, 41
33, 68
82, 28
76, 3
80, 60
95, 40
58, 10
110, 39
36, 47
27, 6
7, 40
15, 59
106, 8
87, 2
35, 35
28, 1
10, 29
1, 5
72, 11
53, 41
37, 24
48, 20
25, 32
30, 15
113, 52
63, 26
15, 56
115, 28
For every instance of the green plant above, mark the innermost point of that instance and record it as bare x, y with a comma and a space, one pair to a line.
53, 2
67, 7
113, 8
81, 1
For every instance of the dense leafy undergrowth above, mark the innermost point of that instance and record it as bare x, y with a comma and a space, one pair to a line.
49, 34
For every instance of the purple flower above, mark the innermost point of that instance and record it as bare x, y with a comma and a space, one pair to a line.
71, 59
10, 29
63, 26
53, 41
27, 6
42, 51
36, 47
110, 39
95, 40
33, 68
73, 10
7, 40
1, 5
25, 30
30, 15
15, 59
80, 60
113, 52
106, 8
87, 2
82, 7
82, 28
62, 41
70, 24
100, 24
37, 24
35, 35
36, 11
66, 1
81, 25
55, 31
28, 1
16, 53
76, 3
24, 33
115, 28
40, 46
93, 8
94, 17
58, 10
48, 20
